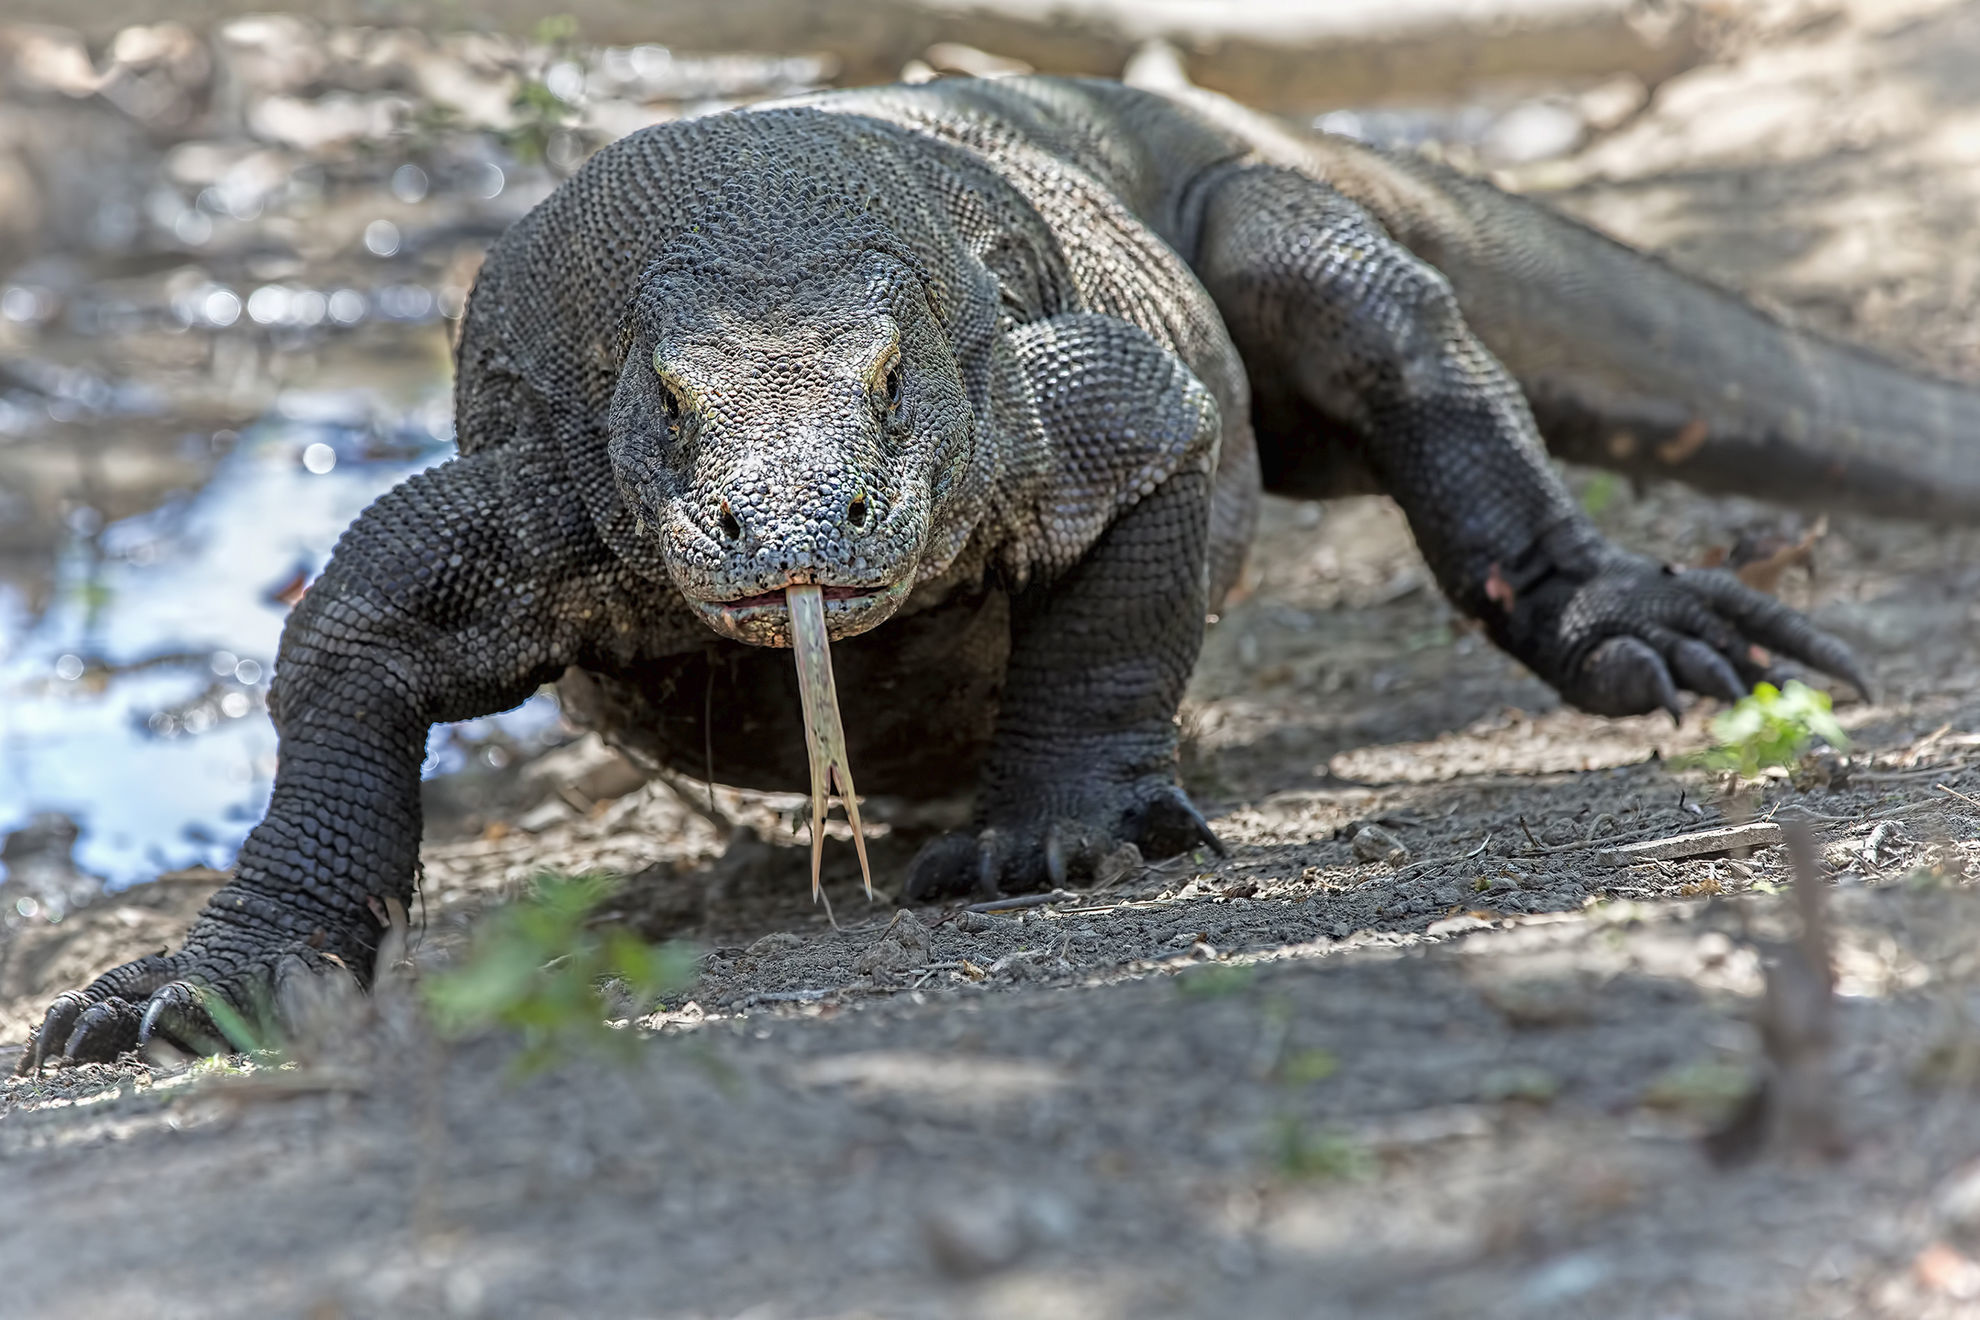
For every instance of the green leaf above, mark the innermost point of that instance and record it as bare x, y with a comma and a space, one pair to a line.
240, 1033
538, 967
1314, 1065
1772, 727
1301, 1153
1216, 981
1600, 493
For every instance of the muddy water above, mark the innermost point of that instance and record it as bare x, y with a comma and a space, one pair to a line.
179, 452
136, 700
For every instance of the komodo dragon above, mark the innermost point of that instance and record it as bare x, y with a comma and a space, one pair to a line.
1002, 368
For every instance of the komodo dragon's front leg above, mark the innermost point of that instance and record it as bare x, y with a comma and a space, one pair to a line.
1330, 311
1109, 508
429, 610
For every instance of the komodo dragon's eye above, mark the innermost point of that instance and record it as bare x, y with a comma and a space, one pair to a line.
670, 394
890, 382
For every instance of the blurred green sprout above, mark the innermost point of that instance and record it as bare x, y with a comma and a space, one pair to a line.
539, 113
541, 967
1322, 1156
242, 1034
1772, 727
1216, 981
1600, 492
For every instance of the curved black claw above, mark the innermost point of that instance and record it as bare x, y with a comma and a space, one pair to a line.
1704, 670
945, 868
1169, 824
1778, 627
1624, 676
56, 1025
105, 1018
86, 1032
1058, 850
177, 1017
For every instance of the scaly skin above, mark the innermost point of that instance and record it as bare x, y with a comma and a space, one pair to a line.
1002, 367
1629, 364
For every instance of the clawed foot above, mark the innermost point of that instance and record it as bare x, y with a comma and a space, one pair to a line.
1626, 640
1018, 855
192, 1005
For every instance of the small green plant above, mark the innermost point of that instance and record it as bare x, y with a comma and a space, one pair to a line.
1600, 492
538, 966
1772, 727
244, 1035
1519, 1082
1711, 1088
1302, 1153
540, 114
1304, 1067
1216, 981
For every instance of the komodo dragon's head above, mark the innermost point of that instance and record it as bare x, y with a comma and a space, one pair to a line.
792, 430
789, 412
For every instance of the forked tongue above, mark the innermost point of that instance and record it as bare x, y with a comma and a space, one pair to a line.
824, 736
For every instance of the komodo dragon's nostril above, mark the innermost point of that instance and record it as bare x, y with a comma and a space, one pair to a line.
731, 525
857, 510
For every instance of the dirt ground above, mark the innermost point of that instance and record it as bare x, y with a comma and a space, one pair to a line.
1469, 1081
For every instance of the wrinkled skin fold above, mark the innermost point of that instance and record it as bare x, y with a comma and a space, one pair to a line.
967, 393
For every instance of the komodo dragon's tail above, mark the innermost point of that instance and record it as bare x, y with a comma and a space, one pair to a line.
1633, 365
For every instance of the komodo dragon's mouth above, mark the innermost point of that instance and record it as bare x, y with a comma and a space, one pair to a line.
764, 619
777, 597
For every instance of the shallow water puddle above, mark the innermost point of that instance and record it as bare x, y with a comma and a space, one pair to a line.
136, 704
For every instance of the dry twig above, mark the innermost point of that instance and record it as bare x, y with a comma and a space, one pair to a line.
1793, 1107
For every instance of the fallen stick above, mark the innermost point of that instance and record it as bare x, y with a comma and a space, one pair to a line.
1025, 901
790, 996
1946, 788
1793, 1108
1580, 845
1795, 811
1702, 843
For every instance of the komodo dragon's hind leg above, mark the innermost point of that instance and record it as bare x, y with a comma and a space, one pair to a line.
428, 611
1338, 321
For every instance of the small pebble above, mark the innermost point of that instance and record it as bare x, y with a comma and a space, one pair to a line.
1372, 843
1958, 1203
982, 923
905, 943
969, 1239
